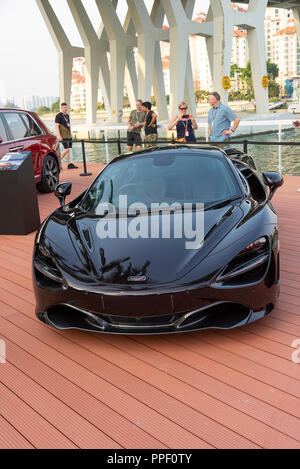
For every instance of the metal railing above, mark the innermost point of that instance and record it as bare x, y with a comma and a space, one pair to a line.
119, 142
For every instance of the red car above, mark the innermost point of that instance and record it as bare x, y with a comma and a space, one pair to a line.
22, 130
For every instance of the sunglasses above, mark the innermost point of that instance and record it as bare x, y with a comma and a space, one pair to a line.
183, 108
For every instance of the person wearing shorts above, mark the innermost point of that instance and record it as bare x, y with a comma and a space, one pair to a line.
63, 130
135, 123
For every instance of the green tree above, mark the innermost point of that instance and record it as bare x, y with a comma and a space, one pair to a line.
100, 106
234, 70
272, 70
201, 95
55, 106
246, 77
42, 110
274, 89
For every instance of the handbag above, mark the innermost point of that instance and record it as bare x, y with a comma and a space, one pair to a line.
64, 132
183, 140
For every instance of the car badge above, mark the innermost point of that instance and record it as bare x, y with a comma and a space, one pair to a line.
138, 278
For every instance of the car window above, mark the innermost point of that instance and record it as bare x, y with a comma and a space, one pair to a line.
31, 124
164, 178
16, 125
2, 131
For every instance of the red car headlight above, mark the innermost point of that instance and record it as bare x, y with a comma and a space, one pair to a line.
249, 265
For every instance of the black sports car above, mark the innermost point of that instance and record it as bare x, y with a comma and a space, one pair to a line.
117, 259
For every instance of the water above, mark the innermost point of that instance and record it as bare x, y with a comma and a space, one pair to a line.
266, 157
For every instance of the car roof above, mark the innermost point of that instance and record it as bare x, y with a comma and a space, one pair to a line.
227, 152
14, 109
202, 149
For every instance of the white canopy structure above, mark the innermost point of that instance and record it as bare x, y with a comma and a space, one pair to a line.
145, 31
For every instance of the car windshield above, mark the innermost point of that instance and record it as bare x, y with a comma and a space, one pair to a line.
164, 178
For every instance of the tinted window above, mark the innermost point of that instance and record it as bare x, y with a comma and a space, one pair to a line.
2, 131
183, 178
31, 124
16, 125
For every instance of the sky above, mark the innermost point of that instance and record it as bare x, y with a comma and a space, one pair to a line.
28, 58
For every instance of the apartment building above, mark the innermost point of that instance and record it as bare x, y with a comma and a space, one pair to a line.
282, 44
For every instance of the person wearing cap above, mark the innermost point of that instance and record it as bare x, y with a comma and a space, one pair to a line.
219, 120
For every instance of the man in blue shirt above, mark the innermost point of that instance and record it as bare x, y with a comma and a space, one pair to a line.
219, 120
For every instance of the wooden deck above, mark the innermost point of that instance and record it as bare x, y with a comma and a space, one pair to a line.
237, 389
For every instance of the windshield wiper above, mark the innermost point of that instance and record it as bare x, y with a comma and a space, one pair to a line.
221, 204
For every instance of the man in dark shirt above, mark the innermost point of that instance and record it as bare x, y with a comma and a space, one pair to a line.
151, 135
63, 130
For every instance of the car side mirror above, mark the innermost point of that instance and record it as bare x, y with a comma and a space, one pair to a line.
273, 180
62, 190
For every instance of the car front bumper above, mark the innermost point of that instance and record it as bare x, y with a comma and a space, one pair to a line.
144, 312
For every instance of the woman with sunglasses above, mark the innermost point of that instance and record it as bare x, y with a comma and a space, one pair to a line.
185, 125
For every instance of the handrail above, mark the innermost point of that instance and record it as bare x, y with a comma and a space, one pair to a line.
172, 141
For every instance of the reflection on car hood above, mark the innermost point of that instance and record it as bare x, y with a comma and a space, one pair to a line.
158, 260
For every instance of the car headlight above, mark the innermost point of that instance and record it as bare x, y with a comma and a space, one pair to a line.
249, 265
46, 271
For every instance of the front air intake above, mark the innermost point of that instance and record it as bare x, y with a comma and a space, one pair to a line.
67, 317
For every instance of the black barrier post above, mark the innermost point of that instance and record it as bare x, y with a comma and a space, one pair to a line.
85, 173
245, 146
119, 143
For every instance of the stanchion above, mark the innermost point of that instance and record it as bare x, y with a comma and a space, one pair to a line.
245, 146
106, 147
119, 143
85, 173
279, 149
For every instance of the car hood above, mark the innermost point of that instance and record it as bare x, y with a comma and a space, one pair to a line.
151, 260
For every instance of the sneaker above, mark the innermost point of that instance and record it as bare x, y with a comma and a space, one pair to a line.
72, 166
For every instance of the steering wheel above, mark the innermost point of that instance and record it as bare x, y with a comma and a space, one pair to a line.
136, 186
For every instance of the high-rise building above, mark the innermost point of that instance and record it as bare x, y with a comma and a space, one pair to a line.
78, 91
282, 43
240, 51
166, 72
32, 103
199, 58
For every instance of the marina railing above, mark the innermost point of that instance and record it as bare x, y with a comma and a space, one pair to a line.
119, 142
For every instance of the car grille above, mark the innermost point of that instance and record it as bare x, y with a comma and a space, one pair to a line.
223, 315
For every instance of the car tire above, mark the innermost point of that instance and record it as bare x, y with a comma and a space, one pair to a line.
50, 175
